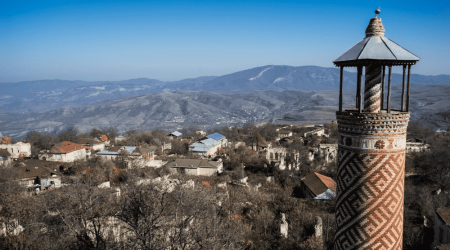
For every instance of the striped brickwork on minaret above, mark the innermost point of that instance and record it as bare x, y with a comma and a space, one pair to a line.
370, 180
372, 89
371, 148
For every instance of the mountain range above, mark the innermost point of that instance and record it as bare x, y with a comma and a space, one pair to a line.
305, 94
46, 95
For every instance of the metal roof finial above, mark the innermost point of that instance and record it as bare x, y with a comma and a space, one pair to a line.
377, 11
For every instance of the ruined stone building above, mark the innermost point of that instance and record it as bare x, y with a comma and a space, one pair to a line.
416, 145
371, 146
16, 150
283, 157
442, 228
326, 152
318, 131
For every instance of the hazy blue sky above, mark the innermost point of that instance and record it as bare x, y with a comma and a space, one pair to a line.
171, 40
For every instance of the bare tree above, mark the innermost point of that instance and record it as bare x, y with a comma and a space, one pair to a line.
96, 133
68, 134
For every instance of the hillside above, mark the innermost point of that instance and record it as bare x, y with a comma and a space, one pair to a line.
171, 110
46, 95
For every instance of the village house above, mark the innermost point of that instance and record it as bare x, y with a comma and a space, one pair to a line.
65, 152
416, 145
11, 227
285, 140
148, 158
196, 167
318, 131
218, 137
105, 140
260, 144
323, 151
132, 156
17, 150
284, 133
114, 152
126, 154
37, 175
200, 132
5, 157
174, 134
317, 186
442, 228
277, 154
166, 146
235, 144
93, 144
120, 138
4, 139
206, 148
283, 158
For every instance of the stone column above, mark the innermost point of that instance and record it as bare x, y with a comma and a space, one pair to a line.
284, 226
372, 90
370, 180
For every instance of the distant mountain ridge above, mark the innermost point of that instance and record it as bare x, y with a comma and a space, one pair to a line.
45, 95
164, 110
170, 110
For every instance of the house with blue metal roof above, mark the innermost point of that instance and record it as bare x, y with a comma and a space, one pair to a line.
175, 134
218, 137
206, 147
210, 142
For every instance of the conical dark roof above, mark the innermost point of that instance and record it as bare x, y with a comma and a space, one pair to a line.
376, 47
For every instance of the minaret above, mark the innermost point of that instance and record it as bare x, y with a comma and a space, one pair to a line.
371, 151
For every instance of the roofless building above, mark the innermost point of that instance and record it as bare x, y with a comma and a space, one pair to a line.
371, 151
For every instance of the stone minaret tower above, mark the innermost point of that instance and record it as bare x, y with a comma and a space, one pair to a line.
372, 140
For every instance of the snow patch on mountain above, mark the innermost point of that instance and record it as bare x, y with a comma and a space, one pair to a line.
94, 94
260, 74
279, 79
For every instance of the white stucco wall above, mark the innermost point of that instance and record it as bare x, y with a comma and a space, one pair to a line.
79, 154
17, 148
98, 147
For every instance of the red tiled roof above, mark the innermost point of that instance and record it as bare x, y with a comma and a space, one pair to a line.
104, 138
206, 183
66, 147
327, 181
5, 140
236, 217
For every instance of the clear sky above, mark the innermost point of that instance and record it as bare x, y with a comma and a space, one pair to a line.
172, 40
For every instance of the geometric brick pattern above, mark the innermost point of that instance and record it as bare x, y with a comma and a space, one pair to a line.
372, 90
369, 205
